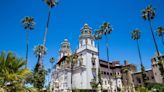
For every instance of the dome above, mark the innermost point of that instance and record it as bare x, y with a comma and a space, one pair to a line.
65, 40
86, 32
65, 45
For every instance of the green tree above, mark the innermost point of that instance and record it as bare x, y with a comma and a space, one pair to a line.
160, 33
142, 89
72, 59
39, 70
148, 14
136, 34
39, 51
51, 4
12, 74
39, 77
28, 24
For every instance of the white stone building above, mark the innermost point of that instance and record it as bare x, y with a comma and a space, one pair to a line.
84, 70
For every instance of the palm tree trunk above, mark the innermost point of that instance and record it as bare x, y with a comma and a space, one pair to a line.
99, 71
155, 43
162, 39
26, 48
98, 48
139, 53
39, 58
47, 24
71, 76
107, 51
46, 31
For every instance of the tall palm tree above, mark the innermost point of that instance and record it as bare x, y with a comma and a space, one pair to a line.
136, 34
72, 59
51, 4
12, 73
39, 51
160, 33
148, 14
52, 60
28, 24
107, 29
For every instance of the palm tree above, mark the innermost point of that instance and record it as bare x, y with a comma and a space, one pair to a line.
107, 29
136, 34
160, 33
148, 14
12, 74
72, 59
51, 4
39, 51
52, 60
39, 74
28, 24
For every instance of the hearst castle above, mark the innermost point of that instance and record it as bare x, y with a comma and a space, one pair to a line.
88, 69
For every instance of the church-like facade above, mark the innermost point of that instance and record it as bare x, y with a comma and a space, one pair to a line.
85, 71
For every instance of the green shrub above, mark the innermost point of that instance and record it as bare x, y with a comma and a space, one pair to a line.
157, 86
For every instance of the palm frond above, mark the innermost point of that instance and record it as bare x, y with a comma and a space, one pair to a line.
106, 28
136, 34
51, 3
28, 22
148, 13
160, 31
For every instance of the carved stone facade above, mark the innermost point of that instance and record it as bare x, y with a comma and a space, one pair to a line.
153, 74
82, 73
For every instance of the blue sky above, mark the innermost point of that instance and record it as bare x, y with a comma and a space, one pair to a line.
68, 18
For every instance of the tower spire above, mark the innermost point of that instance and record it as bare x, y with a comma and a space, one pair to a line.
86, 37
64, 48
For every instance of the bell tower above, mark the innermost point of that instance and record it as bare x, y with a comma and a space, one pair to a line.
64, 49
89, 53
86, 38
